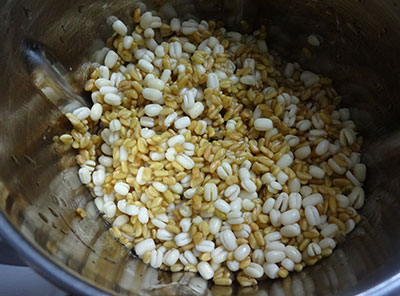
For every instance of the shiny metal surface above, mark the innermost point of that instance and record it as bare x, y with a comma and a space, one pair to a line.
39, 188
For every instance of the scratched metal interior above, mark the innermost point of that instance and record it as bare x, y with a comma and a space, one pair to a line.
39, 187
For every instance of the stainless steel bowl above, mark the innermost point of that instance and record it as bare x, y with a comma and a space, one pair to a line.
39, 187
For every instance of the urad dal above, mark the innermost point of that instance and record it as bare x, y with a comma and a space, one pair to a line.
208, 154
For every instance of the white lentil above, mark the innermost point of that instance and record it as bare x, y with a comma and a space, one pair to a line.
215, 224
312, 200
81, 113
293, 254
271, 270
275, 246
285, 161
263, 124
98, 177
228, 239
164, 235
254, 270
248, 80
205, 270
84, 175
196, 110
350, 224
275, 217
290, 217
120, 28
152, 94
291, 230
182, 122
316, 172
212, 81
327, 243
248, 185
170, 119
274, 256
313, 40
224, 170
222, 205
112, 99
205, 246
110, 59
185, 161
303, 152
357, 197
166, 75
360, 172
288, 264
171, 257
110, 209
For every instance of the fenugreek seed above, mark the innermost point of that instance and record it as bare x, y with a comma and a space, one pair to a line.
303, 245
337, 221
169, 245
259, 238
326, 252
298, 267
283, 273
115, 232
332, 205
205, 257
245, 263
176, 267
66, 139
204, 228
241, 240
223, 281
136, 15
198, 238
162, 173
81, 212
311, 261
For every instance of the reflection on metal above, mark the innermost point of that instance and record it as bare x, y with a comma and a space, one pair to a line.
48, 75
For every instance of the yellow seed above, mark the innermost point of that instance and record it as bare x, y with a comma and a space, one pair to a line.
66, 139
142, 145
283, 273
242, 241
81, 212
244, 263
298, 267
223, 281
259, 238
198, 238
337, 221
169, 197
332, 205
172, 229
177, 166
161, 173
304, 244
311, 261
326, 252
146, 257
176, 267
205, 257
204, 228
136, 15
